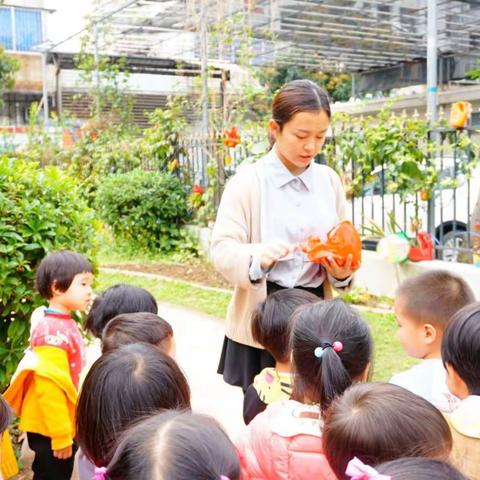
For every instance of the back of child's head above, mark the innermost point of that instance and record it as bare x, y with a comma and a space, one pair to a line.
141, 327
272, 320
5, 415
461, 346
419, 469
175, 446
122, 386
116, 300
58, 270
331, 349
379, 422
433, 297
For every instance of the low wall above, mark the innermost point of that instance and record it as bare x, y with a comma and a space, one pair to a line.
380, 278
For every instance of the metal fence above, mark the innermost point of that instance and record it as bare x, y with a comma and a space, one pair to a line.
446, 215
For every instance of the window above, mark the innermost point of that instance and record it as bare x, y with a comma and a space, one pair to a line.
20, 28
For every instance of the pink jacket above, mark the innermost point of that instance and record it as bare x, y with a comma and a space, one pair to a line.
283, 443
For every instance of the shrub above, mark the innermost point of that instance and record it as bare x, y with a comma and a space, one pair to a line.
145, 208
41, 211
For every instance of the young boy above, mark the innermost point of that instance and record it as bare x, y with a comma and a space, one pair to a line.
424, 305
271, 325
461, 357
43, 391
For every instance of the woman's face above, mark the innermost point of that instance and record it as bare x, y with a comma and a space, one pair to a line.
300, 139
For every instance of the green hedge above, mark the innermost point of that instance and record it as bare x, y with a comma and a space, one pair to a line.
145, 208
41, 211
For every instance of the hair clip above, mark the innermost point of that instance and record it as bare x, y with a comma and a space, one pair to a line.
100, 473
224, 477
318, 352
337, 346
357, 470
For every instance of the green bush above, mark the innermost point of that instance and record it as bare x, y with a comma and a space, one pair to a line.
41, 210
145, 208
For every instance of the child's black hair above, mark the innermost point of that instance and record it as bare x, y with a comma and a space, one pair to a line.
116, 300
380, 422
175, 446
272, 319
5, 415
461, 346
321, 372
419, 469
59, 269
122, 386
141, 327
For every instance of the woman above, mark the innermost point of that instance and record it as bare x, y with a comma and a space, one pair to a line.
268, 208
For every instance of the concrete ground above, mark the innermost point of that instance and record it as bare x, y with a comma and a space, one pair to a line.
199, 340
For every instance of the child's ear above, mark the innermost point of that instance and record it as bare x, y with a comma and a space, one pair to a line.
430, 333
455, 384
55, 290
366, 373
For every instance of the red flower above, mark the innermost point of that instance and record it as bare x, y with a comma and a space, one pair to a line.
197, 189
232, 138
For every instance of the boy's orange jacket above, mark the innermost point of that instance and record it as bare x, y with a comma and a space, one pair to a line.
42, 394
9, 466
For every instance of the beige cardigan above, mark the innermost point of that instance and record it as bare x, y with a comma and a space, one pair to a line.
236, 237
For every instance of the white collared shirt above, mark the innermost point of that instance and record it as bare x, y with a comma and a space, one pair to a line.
292, 209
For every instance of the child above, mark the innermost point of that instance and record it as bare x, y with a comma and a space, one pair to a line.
115, 300
122, 386
416, 469
43, 391
379, 422
271, 328
8, 467
461, 357
175, 446
331, 349
424, 306
142, 327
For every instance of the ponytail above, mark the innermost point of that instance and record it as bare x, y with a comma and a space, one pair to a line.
331, 348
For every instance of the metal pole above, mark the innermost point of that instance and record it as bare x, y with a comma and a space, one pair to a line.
204, 58
45, 89
432, 65
97, 71
432, 61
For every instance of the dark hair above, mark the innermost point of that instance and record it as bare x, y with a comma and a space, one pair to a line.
298, 96
434, 297
116, 300
5, 415
461, 346
122, 386
142, 327
379, 422
318, 326
419, 469
175, 446
59, 269
271, 321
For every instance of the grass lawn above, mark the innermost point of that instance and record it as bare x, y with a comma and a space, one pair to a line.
389, 356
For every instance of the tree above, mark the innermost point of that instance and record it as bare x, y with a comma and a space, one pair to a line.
8, 67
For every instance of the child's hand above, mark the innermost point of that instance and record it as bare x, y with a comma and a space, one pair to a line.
63, 453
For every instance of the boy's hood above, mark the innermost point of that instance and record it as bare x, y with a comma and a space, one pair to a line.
466, 418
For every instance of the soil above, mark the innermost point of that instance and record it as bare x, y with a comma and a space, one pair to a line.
198, 272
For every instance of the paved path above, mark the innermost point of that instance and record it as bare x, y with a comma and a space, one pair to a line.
199, 340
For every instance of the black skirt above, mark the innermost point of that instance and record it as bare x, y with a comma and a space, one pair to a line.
239, 363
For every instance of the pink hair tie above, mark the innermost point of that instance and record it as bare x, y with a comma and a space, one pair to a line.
357, 470
224, 477
100, 473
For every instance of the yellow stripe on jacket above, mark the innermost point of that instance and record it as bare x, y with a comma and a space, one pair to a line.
42, 394
8, 466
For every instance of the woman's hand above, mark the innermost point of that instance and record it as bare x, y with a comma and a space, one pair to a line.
272, 253
336, 271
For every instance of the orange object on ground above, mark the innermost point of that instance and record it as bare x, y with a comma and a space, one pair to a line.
460, 114
342, 240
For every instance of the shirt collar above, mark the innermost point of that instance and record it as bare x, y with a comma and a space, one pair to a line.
281, 175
